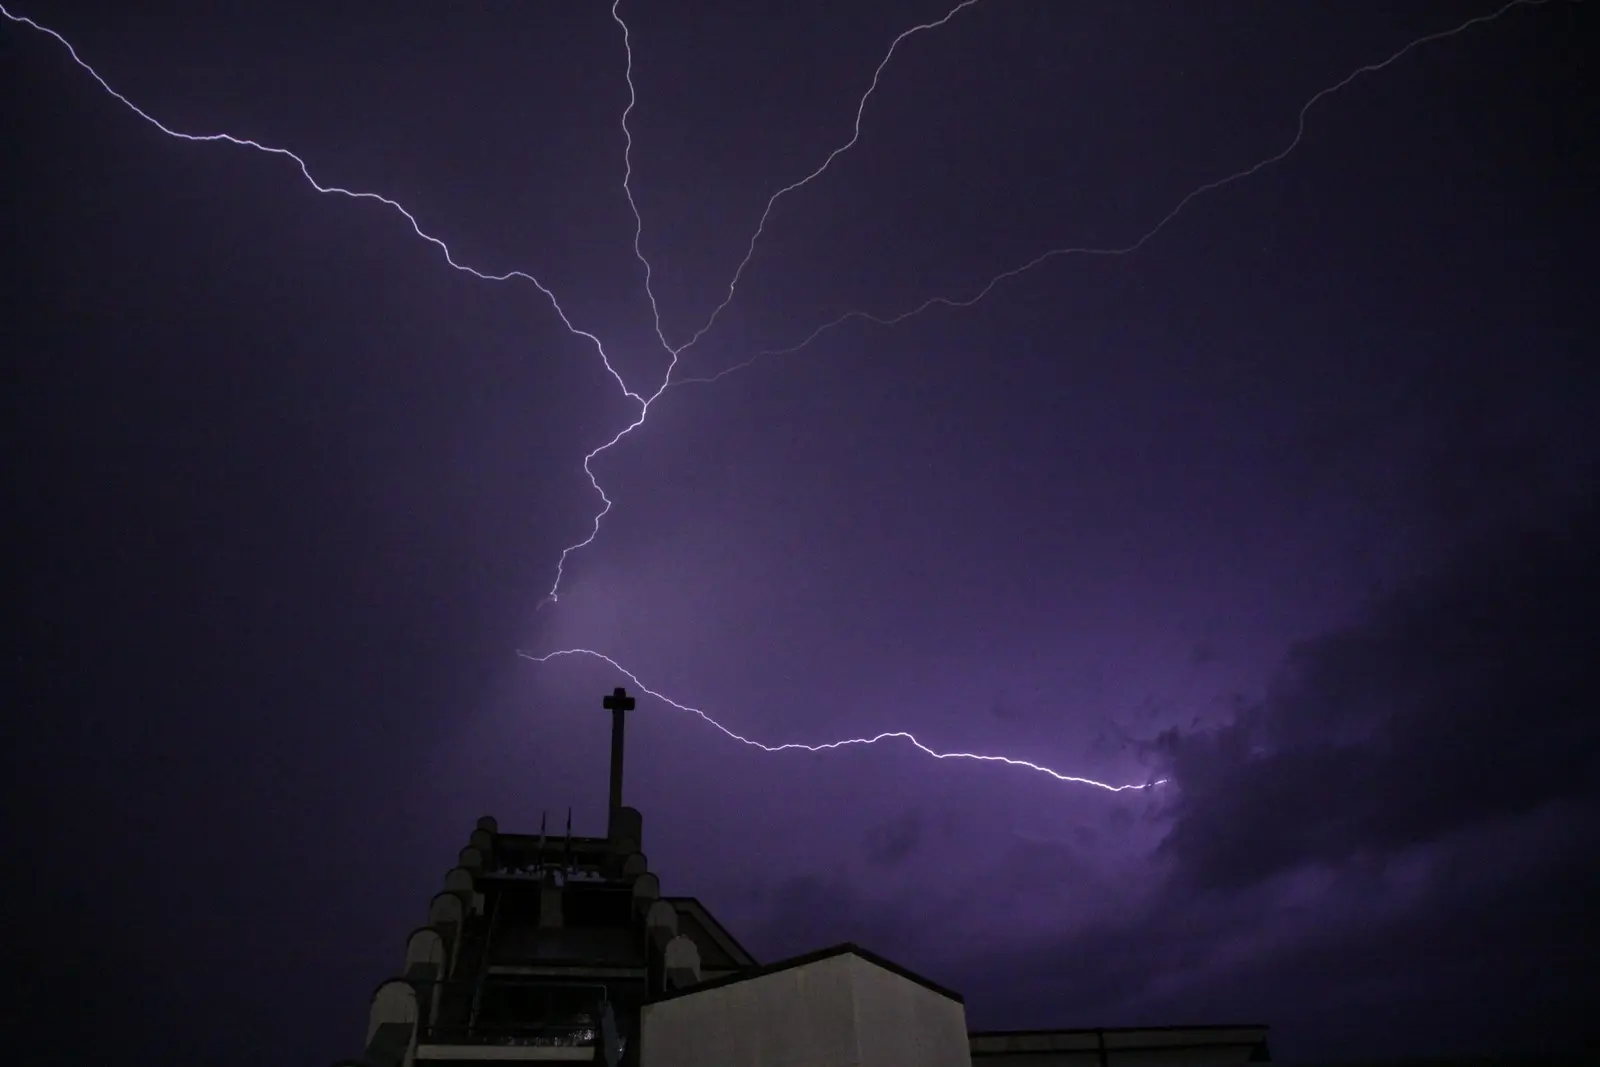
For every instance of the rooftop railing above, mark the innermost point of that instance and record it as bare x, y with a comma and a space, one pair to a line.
544, 1035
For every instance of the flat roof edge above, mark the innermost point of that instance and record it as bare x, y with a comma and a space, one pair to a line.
844, 949
1201, 1027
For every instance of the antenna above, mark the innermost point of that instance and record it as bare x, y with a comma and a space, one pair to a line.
568, 858
618, 703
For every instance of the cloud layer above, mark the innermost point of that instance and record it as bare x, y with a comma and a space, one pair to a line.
1401, 833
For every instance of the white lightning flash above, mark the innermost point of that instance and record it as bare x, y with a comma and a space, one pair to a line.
245, 142
890, 735
1057, 253
675, 352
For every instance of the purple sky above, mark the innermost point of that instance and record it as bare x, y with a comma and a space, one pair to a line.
1293, 505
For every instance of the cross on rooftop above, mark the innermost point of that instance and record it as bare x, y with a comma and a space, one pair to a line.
618, 702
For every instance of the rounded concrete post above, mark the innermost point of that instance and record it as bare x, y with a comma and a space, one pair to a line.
646, 891
459, 880
635, 864
681, 963
394, 1004
425, 955
660, 924
445, 912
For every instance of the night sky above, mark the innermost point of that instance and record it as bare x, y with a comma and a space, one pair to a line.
1294, 506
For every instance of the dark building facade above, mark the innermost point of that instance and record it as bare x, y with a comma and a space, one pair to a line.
550, 947
545, 944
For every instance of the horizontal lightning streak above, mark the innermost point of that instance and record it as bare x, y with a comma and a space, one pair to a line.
1054, 253
897, 735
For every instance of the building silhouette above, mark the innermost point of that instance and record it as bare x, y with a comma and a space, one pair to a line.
551, 947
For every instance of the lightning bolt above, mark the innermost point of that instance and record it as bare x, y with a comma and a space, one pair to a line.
674, 353
888, 735
439, 243
245, 142
891, 320
1058, 253
855, 135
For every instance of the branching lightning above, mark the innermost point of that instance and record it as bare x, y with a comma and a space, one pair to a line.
674, 353
892, 735
245, 142
855, 135
1058, 253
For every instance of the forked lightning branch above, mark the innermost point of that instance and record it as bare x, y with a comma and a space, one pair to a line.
646, 398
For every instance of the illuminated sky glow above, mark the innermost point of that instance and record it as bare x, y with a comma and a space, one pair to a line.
1127, 392
675, 352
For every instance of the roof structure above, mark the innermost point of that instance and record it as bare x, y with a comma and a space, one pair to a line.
555, 946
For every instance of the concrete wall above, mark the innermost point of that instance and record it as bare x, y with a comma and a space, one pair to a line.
840, 1011
1175, 1057
1154, 1047
902, 1022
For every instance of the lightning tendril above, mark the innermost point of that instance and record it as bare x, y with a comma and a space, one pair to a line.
794, 746
674, 353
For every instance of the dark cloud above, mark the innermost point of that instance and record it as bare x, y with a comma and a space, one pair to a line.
1459, 698
1005, 709
1401, 834
1401, 837
894, 841
292, 492
813, 911
1470, 946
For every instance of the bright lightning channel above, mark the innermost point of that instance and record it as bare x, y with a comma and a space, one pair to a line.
449, 257
1057, 253
891, 735
676, 352
983, 292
